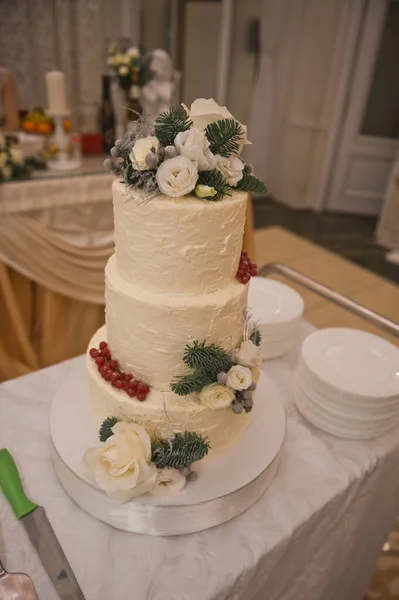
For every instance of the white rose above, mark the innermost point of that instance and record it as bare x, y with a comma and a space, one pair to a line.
239, 378
122, 465
133, 52
168, 483
216, 395
140, 150
248, 354
17, 156
118, 59
177, 176
194, 145
123, 70
231, 168
202, 112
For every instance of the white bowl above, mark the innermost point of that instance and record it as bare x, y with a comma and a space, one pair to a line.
358, 414
336, 398
269, 350
354, 362
339, 428
273, 303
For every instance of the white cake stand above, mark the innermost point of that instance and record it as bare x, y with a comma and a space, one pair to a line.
226, 486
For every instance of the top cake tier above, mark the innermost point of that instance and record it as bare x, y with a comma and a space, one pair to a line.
180, 245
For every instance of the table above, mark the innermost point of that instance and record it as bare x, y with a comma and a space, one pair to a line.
314, 535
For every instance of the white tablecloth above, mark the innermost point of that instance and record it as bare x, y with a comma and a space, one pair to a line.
314, 535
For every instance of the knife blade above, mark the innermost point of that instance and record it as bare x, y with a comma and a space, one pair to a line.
39, 530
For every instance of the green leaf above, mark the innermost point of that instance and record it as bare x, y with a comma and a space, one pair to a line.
216, 180
256, 337
106, 428
250, 183
182, 450
190, 384
210, 359
171, 122
224, 136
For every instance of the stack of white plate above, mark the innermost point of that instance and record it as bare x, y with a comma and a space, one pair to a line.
347, 383
277, 309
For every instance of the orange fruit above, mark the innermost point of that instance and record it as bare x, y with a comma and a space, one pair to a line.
44, 128
67, 125
28, 126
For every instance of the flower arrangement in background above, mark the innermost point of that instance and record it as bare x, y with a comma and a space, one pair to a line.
220, 379
187, 151
127, 463
12, 162
132, 69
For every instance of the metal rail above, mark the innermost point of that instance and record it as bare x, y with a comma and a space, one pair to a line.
322, 290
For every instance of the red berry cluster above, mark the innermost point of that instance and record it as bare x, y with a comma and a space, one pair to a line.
110, 371
246, 270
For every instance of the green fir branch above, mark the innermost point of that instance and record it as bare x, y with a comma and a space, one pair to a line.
182, 450
171, 122
106, 428
216, 180
209, 359
224, 136
190, 384
256, 337
250, 183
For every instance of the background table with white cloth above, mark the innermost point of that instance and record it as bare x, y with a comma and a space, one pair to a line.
56, 234
315, 534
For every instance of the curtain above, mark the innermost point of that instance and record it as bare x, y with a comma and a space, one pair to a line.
41, 35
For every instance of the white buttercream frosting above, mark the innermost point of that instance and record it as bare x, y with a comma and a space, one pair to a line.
162, 412
183, 245
148, 331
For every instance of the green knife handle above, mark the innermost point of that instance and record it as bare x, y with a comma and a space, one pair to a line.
11, 484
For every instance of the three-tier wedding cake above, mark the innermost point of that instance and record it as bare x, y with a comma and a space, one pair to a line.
173, 372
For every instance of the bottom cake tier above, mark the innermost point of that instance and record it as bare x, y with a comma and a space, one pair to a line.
163, 412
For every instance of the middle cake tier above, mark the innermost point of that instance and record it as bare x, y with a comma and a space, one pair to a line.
148, 331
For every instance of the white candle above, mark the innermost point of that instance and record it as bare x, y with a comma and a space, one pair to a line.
56, 93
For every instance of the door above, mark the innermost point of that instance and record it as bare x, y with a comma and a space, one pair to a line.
368, 142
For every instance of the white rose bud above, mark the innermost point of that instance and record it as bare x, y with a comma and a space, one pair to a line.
177, 176
169, 482
194, 145
204, 191
140, 150
239, 378
122, 465
123, 70
216, 395
248, 354
231, 168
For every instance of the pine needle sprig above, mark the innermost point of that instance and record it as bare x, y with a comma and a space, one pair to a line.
106, 428
256, 337
171, 122
182, 450
250, 183
224, 136
190, 384
216, 180
210, 359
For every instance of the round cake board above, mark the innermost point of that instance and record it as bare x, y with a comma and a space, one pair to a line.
227, 484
